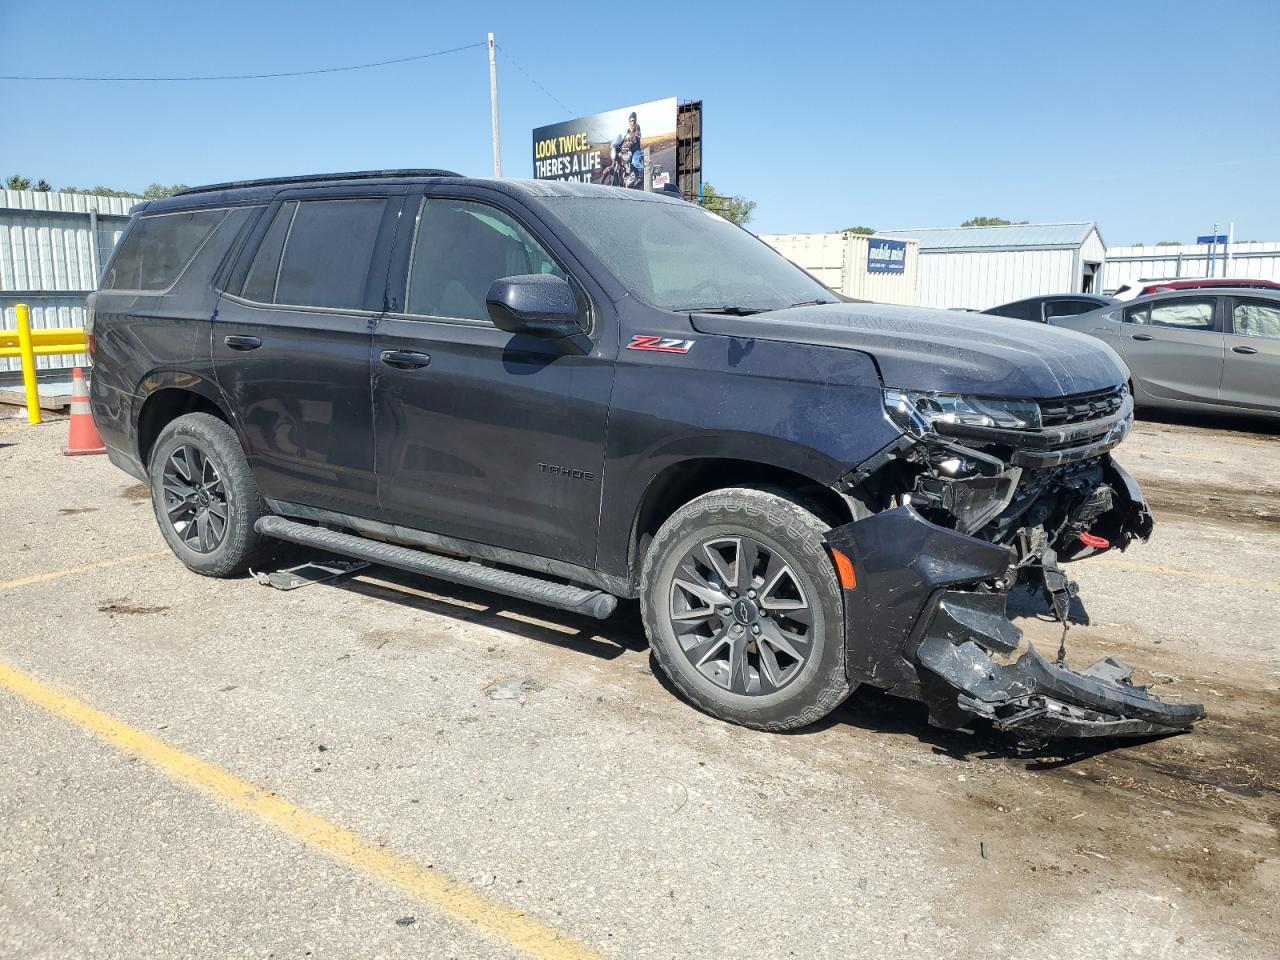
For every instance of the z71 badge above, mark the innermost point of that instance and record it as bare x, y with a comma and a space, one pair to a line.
659, 344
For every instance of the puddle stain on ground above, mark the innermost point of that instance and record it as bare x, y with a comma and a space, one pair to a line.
125, 608
139, 491
1206, 501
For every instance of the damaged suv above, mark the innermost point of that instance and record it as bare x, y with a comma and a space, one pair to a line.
573, 394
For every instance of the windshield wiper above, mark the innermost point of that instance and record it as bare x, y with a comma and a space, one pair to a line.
732, 310
812, 303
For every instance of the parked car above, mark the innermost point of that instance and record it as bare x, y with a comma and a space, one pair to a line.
1207, 349
1142, 288
1041, 309
572, 394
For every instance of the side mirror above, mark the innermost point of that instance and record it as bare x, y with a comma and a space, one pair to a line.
536, 303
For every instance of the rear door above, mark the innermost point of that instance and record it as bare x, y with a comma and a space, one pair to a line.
291, 341
1251, 375
481, 434
1175, 347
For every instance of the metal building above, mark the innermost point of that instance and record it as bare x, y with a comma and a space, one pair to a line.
853, 264
980, 267
1251, 259
52, 247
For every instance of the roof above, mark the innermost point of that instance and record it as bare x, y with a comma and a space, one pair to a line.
264, 190
1015, 236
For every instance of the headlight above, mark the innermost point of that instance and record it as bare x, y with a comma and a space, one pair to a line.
916, 413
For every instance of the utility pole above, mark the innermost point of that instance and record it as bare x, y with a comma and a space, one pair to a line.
493, 103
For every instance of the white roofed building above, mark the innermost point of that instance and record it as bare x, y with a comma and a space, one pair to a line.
981, 267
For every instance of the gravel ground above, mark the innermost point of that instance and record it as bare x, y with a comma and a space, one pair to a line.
602, 806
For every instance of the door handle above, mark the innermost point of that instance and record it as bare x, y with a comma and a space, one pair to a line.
1243, 349
405, 359
242, 343
1143, 336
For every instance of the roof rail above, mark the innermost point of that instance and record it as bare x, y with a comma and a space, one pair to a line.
317, 178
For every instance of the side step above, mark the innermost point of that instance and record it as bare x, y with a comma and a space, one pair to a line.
590, 603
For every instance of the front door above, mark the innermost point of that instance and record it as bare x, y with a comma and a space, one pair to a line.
1251, 377
291, 341
1175, 347
481, 434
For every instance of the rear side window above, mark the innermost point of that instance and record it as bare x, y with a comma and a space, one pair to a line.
316, 253
1189, 314
158, 249
1020, 310
1068, 308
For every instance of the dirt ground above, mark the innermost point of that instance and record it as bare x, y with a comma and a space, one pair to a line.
602, 805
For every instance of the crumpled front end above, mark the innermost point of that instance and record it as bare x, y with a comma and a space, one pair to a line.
958, 518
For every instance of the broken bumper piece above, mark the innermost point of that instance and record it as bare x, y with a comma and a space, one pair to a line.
927, 620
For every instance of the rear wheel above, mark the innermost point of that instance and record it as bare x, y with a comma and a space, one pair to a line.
204, 496
743, 609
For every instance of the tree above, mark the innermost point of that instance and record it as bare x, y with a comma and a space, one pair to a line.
43, 186
158, 191
734, 209
990, 222
18, 182
864, 231
110, 192
1168, 243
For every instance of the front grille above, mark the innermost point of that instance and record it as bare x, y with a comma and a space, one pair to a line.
1081, 408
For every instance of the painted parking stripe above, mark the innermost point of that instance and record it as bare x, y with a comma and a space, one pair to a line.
452, 899
72, 571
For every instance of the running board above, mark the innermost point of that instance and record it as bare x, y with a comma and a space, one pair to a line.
590, 603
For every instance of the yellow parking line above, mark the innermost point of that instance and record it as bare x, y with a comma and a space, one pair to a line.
59, 574
1210, 577
453, 899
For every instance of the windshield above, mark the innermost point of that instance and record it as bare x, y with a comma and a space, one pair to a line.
678, 256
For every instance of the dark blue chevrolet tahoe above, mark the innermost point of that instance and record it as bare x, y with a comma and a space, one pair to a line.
572, 394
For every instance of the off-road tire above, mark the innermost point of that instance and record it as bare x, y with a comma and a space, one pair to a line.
241, 545
773, 518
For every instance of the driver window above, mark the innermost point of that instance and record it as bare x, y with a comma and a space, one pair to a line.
460, 247
1257, 318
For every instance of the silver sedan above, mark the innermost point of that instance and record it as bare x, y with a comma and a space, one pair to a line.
1195, 349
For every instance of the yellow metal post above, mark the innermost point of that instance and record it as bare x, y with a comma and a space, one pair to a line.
28, 363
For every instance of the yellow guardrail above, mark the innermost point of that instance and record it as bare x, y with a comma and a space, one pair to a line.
29, 344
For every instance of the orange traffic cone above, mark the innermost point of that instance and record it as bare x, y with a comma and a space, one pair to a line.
84, 435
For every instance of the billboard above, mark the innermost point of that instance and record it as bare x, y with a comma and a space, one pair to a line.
632, 147
886, 256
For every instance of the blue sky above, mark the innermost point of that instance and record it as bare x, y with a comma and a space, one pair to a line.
1156, 119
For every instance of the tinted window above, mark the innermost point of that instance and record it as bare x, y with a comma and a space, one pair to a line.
316, 253
1068, 308
1256, 318
1019, 310
260, 284
159, 248
459, 249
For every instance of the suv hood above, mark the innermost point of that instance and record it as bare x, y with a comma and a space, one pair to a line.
942, 350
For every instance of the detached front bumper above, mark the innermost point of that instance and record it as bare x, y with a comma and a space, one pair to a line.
926, 621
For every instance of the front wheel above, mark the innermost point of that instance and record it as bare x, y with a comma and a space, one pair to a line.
743, 609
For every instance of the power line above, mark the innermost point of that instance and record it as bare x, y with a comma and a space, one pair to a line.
530, 78
257, 76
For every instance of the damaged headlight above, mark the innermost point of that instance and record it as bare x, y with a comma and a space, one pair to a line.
917, 412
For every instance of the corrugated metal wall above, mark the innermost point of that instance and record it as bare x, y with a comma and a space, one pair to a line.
979, 279
1256, 260
839, 260
50, 257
